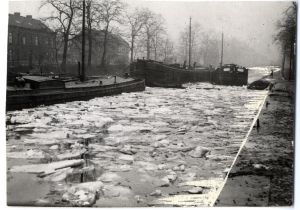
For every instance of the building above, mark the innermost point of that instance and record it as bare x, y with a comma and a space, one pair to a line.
117, 49
31, 44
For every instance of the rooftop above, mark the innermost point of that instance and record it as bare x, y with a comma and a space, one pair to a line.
99, 34
26, 22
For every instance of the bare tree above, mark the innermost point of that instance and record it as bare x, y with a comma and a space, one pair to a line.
153, 26
135, 20
93, 21
287, 37
183, 48
63, 20
208, 50
158, 39
168, 50
110, 11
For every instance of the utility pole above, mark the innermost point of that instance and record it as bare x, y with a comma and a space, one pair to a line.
83, 42
221, 63
190, 42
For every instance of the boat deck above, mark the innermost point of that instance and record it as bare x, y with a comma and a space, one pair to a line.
96, 82
19, 98
108, 80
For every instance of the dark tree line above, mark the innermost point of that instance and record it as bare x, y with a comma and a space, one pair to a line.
66, 19
63, 18
287, 39
139, 25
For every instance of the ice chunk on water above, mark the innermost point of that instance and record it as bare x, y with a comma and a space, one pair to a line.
36, 154
128, 128
42, 168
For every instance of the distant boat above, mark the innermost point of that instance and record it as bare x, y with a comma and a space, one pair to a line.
163, 75
169, 76
230, 74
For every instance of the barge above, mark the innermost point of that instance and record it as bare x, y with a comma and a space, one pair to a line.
47, 91
30, 91
230, 74
163, 75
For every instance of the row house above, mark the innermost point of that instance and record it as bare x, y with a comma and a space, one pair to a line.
31, 43
117, 49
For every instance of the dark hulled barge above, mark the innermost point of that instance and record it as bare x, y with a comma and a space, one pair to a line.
39, 90
30, 91
230, 74
163, 75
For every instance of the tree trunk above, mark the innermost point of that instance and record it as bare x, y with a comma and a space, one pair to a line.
131, 49
148, 45
64, 56
103, 59
56, 61
291, 59
155, 47
283, 62
294, 61
66, 41
89, 64
90, 47
56, 56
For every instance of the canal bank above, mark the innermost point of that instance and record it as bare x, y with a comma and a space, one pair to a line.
262, 174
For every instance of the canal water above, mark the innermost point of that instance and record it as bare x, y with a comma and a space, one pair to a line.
160, 147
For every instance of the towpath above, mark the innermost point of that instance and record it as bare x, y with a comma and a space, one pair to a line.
262, 174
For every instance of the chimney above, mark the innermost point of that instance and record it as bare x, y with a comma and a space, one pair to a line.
29, 16
17, 14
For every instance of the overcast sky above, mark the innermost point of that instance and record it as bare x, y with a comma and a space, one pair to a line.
252, 22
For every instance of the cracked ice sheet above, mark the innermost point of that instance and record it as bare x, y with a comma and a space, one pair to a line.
168, 117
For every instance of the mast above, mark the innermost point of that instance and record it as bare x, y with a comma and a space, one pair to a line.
83, 42
221, 63
190, 42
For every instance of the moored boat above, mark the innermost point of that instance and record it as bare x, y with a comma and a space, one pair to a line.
230, 74
30, 91
46, 91
163, 75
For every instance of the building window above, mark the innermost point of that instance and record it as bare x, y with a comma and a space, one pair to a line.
10, 55
10, 38
36, 41
46, 42
24, 40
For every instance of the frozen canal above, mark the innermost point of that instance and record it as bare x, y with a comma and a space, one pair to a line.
153, 148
